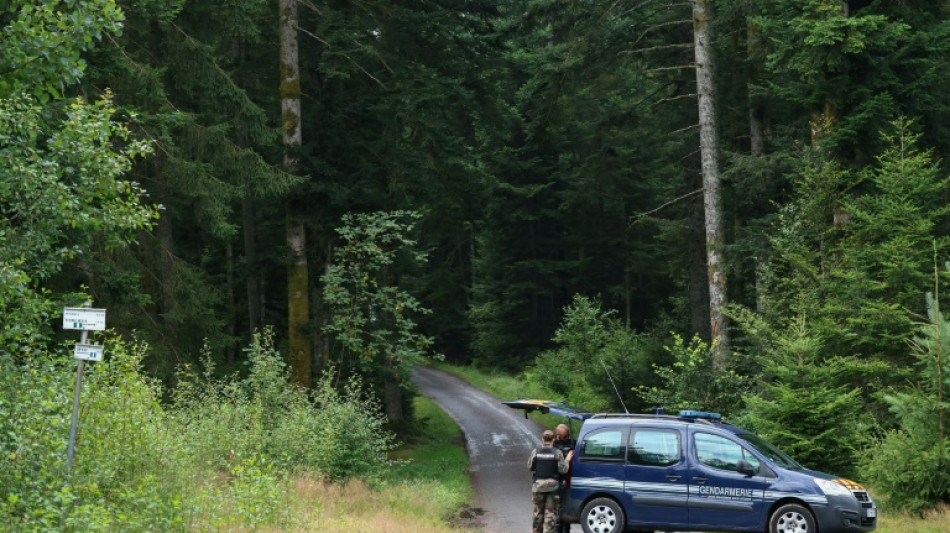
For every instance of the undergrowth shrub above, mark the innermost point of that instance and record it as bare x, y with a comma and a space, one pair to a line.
692, 381
219, 457
339, 433
588, 340
35, 407
129, 469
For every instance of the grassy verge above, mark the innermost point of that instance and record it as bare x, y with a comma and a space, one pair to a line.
424, 493
936, 521
436, 456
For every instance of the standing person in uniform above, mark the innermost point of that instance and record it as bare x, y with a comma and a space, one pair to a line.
548, 464
564, 443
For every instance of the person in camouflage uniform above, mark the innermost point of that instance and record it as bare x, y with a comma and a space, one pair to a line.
548, 464
563, 442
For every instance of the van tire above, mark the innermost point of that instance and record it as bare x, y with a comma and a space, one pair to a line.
602, 515
792, 518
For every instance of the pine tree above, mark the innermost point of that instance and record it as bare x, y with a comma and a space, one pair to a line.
911, 464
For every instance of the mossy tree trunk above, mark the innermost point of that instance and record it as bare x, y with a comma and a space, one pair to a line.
709, 153
298, 293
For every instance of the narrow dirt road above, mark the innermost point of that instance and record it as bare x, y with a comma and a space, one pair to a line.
499, 440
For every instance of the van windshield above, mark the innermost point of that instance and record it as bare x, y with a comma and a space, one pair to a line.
769, 450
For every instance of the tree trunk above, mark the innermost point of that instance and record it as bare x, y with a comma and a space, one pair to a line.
320, 318
298, 303
757, 136
298, 294
232, 305
252, 280
756, 110
712, 202
166, 245
696, 250
393, 401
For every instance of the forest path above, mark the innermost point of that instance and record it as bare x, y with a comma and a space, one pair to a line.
498, 439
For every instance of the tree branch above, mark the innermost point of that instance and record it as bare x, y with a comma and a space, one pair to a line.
640, 216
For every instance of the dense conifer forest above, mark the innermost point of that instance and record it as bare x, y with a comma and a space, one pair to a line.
736, 205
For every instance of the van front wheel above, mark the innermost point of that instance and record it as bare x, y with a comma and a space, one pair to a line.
792, 518
602, 515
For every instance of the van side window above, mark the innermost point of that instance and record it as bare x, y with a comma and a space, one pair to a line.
654, 447
718, 452
604, 445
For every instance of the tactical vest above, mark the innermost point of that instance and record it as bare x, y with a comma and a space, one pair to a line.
545, 464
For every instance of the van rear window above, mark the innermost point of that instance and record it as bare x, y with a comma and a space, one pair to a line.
603, 445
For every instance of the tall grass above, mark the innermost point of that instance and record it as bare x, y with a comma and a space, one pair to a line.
423, 491
932, 521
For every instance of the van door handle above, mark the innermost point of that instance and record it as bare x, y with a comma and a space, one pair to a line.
673, 477
701, 480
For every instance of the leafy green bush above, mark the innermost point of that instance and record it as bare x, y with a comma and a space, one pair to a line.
34, 425
129, 470
220, 456
693, 382
338, 433
589, 339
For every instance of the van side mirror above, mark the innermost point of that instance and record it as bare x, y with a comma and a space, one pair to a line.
744, 468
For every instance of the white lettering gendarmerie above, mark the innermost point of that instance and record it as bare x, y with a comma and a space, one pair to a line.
726, 492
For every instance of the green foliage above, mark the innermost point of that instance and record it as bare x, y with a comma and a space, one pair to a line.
693, 381
370, 314
338, 433
911, 464
825, 37
130, 468
855, 65
587, 99
589, 339
218, 457
61, 195
44, 41
805, 400
60, 190
860, 237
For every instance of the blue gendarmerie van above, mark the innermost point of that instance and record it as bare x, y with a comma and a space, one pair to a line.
693, 472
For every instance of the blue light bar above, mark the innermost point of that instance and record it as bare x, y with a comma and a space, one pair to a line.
700, 414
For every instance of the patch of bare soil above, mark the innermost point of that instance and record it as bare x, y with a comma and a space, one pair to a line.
468, 517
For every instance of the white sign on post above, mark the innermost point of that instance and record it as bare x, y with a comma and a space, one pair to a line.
84, 318
88, 352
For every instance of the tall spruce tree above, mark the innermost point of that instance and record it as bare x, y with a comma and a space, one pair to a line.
193, 75
709, 154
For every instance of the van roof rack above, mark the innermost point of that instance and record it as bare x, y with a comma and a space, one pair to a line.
632, 415
700, 417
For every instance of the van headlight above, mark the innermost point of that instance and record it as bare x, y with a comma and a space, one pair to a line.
832, 488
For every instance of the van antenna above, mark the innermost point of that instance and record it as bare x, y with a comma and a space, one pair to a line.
614, 386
